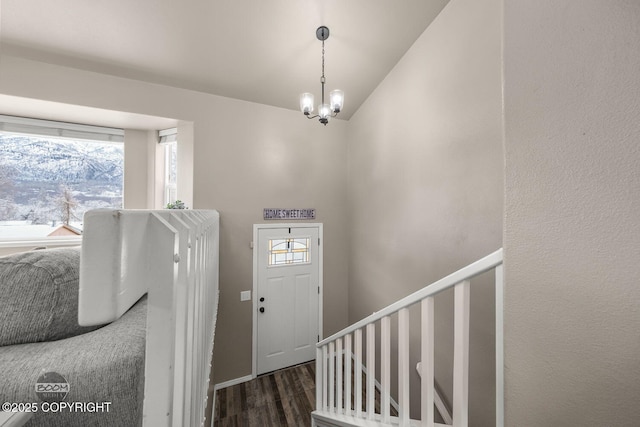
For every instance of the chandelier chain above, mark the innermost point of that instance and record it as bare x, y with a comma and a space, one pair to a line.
322, 59
322, 79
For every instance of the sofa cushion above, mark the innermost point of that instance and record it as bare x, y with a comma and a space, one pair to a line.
105, 365
39, 296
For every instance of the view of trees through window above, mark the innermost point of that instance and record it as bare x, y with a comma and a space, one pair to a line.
46, 183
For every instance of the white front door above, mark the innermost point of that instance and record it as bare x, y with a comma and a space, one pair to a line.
287, 295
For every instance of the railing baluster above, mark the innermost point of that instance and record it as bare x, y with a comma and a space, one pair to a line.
357, 372
461, 355
347, 374
385, 368
325, 383
371, 370
320, 384
427, 356
332, 378
403, 366
339, 375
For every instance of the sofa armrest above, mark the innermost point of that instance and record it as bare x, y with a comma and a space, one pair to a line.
40, 296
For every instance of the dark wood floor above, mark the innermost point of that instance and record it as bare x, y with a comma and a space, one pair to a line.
280, 399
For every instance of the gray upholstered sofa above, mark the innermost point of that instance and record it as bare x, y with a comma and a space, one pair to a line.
39, 334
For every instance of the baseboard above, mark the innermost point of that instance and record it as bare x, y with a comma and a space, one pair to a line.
235, 381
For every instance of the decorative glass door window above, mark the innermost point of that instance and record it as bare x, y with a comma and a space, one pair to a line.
288, 251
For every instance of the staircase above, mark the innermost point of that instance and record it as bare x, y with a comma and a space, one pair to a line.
342, 399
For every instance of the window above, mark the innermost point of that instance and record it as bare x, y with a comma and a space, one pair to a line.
168, 139
51, 173
288, 251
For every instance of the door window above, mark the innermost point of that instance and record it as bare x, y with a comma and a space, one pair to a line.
288, 251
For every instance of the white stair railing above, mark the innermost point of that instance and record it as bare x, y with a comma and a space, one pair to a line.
172, 256
334, 378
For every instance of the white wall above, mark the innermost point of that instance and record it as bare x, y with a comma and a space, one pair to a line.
185, 157
136, 169
572, 228
426, 183
245, 157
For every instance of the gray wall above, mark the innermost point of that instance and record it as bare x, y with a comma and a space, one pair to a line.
258, 161
425, 183
572, 228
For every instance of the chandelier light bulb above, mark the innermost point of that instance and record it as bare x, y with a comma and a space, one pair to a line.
336, 100
306, 103
324, 112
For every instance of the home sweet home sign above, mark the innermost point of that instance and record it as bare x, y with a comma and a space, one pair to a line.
278, 213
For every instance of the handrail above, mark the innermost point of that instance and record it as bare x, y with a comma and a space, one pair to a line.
481, 266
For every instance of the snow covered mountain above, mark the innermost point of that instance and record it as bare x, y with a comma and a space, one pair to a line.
61, 161
37, 174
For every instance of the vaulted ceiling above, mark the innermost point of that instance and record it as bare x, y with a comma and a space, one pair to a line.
263, 51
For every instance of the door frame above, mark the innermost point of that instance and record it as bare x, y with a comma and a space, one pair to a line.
254, 245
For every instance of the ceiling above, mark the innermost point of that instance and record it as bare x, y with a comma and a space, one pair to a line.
263, 51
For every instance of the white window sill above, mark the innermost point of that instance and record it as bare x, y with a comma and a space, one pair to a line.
41, 242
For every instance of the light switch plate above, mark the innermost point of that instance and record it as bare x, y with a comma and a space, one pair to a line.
245, 295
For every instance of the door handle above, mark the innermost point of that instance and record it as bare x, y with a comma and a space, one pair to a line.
261, 309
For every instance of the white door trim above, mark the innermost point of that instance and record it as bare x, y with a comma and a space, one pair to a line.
256, 228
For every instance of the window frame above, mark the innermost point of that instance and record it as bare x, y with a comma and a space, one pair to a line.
40, 128
168, 141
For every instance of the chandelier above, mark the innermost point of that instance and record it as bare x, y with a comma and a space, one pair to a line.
336, 97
